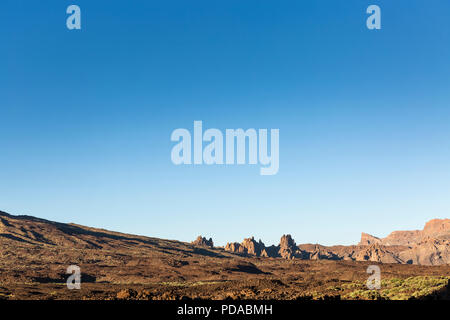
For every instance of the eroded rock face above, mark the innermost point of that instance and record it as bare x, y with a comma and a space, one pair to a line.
248, 246
430, 246
437, 229
434, 229
377, 253
402, 238
323, 253
286, 242
252, 247
428, 252
202, 241
396, 238
287, 248
367, 239
232, 247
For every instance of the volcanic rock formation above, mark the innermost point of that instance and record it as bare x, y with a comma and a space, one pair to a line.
248, 246
287, 248
430, 246
202, 241
434, 229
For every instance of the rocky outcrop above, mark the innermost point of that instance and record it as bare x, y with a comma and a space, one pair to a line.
428, 252
434, 229
248, 246
437, 229
287, 248
367, 239
396, 238
377, 253
252, 247
233, 247
402, 238
430, 246
202, 241
323, 253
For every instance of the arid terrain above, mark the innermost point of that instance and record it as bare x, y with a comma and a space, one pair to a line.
35, 254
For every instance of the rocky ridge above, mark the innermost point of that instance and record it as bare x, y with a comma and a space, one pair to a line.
430, 246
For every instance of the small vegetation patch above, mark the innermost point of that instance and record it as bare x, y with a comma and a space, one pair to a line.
397, 289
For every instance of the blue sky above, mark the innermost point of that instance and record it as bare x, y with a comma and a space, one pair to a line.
364, 116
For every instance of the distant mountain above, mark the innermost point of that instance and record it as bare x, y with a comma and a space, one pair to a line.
430, 246
434, 229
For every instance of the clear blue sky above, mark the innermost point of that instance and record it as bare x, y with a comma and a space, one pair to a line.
364, 116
